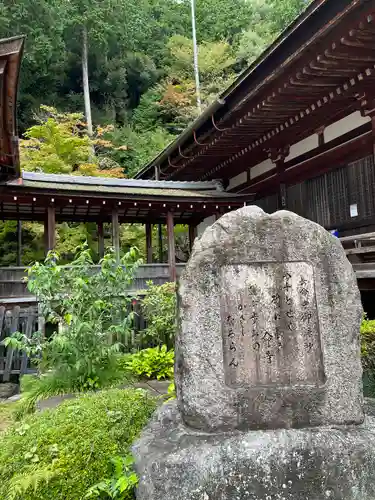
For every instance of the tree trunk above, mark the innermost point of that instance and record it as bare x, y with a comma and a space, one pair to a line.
85, 78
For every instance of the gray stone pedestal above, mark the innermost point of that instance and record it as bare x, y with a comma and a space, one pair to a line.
328, 462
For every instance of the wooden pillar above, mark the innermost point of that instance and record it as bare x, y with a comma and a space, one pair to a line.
320, 133
373, 132
157, 173
160, 227
19, 243
116, 234
192, 236
100, 239
278, 157
149, 242
50, 229
282, 202
160, 238
171, 247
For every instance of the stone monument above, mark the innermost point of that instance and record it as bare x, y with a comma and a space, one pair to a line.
268, 373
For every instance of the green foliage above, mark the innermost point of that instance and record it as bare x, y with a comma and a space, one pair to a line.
368, 356
141, 146
91, 311
32, 241
62, 453
214, 58
155, 362
7, 414
55, 145
122, 483
171, 391
160, 310
59, 144
283, 12
128, 42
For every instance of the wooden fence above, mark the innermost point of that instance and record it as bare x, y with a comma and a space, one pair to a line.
12, 320
27, 320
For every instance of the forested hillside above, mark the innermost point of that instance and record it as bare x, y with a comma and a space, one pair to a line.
140, 72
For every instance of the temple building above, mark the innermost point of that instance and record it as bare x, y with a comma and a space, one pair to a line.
297, 129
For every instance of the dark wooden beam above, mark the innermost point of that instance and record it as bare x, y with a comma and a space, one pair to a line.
148, 228
101, 239
278, 157
160, 238
50, 229
192, 235
19, 243
171, 247
373, 133
160, 227
116, 233
314, 166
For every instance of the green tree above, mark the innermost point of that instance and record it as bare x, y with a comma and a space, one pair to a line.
283, 12
141, 146
45, 54
222, 19
59, 144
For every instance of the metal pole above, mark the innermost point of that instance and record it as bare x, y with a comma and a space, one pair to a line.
196, 66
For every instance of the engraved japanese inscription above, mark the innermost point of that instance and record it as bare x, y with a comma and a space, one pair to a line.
270, 324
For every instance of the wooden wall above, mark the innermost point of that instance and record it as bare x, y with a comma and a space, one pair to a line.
326, 199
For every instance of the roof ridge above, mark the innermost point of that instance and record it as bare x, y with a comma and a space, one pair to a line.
214, 185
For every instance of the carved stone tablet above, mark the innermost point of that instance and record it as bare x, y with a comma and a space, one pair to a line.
269, 326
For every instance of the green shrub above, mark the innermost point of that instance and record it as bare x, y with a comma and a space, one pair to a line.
7, 414
91, 311
120, 485
368, 356
60, 454
155, 362
159, 309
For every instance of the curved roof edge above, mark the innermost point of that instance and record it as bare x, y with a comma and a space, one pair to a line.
11, 50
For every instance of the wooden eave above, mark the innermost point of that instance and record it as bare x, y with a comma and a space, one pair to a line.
325, 70
349, 147
77, 200
10, 60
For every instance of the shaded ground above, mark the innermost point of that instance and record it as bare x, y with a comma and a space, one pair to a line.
6, 415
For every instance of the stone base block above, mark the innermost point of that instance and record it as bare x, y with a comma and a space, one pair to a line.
177, 463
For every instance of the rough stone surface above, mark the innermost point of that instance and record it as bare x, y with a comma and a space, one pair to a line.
8, 389
328, 462
14, 398
369, 407
269, 327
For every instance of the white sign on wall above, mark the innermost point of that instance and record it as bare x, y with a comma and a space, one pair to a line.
354, 210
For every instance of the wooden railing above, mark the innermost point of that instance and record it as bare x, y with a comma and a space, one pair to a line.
360, 250
12, 285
